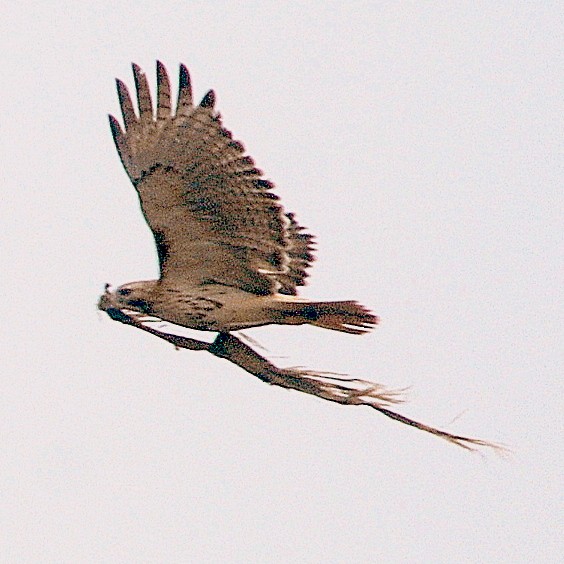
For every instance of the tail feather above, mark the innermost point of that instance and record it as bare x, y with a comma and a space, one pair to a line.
348, 317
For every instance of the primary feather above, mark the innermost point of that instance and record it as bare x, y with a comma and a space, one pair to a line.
212, 213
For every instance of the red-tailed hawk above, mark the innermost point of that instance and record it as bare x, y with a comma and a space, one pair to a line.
230, 256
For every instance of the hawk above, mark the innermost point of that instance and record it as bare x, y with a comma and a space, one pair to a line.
230, 256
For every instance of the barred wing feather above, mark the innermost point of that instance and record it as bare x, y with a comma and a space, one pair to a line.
213, 215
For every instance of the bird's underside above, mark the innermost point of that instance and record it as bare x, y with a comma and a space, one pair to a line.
215, 307
230, 256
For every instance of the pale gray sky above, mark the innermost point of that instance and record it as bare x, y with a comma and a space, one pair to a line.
422, 144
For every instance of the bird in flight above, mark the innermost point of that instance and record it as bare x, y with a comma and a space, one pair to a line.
230, 256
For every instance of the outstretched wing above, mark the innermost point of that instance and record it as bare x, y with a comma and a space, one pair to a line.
213, 215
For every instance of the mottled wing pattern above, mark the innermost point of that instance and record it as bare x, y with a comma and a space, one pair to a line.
213, 215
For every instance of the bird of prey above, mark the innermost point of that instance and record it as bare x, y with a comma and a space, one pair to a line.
230, 256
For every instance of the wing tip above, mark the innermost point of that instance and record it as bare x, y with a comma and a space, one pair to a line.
115, 126
184, 80
265, 184
121, 87
184, 89
208, 101
161, 70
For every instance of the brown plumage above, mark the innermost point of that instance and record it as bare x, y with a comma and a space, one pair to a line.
230, 256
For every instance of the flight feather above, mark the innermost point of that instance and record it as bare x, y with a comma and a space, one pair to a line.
213, 214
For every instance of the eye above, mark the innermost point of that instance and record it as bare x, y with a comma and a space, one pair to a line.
124, 291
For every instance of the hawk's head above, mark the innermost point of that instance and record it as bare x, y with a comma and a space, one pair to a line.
136, 296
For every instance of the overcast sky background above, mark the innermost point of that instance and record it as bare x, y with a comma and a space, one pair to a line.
422, 144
